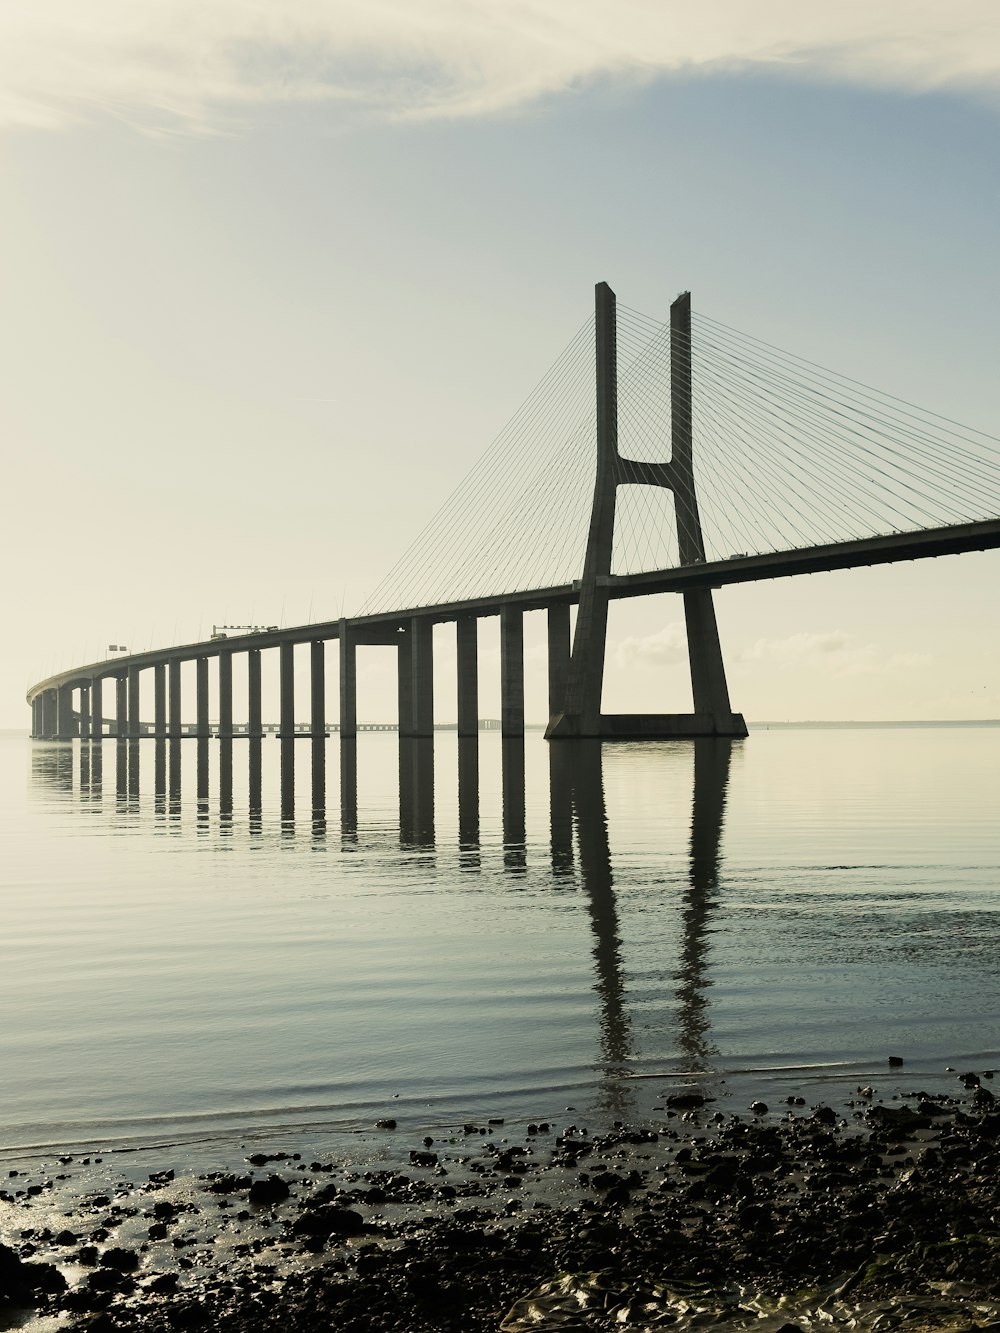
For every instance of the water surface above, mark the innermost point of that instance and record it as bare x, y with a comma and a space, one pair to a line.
196, 944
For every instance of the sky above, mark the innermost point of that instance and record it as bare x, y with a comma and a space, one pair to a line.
274, 277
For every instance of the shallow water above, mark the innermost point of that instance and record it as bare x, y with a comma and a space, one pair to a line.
196, 945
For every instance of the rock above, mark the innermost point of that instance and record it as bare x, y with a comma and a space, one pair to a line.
388, 1123
271, 1190
759, 1108
121, 1259
423, 1158
328, 1220
895, 1061
687, 1101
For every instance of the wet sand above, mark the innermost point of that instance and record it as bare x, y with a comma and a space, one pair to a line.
877, 1214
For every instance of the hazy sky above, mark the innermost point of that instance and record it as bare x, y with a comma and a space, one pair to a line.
274, 276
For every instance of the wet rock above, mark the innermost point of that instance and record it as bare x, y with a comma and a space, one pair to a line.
687, 1101
269, 1191
328, 1220
120, 1258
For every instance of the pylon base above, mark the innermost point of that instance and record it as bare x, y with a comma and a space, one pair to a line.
648, 727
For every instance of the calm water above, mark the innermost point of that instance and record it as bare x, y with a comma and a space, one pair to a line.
191, 948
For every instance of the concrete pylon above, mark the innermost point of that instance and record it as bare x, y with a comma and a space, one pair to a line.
581, 714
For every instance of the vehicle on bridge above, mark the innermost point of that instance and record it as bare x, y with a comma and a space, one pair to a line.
224, 631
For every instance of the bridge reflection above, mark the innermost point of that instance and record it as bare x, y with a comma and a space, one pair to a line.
579, 851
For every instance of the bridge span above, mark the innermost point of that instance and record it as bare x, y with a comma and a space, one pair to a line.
72, 702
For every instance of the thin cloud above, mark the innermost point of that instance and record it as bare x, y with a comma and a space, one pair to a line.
662, 648
187, 65
834, 653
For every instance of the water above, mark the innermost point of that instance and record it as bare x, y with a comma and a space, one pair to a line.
197, 948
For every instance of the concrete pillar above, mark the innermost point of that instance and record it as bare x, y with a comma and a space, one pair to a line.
513, 801
133, 703
708, 673
286, 672
468, 799
201, 701
467, 644
36, 717
558, 629
97, 709
160, 700
50, 722
253, 683
64, 713
121, 707
581, 713
174, 692
423, 677
348, 683
404, 667
317, 669
254, 782
226, 697
511, 671
84, 729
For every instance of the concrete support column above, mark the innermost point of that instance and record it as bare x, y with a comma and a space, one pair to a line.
708, 673
64, 712
49, 714
85, 711
226, 695
253, 684
97, 709
317, 670
133, 703
36, 717
121, 707
201, 697
286, 672
422, 659
404, 668
348, 683
581, 711
467, 644
512, 671
174, 693
558, 627
160, 700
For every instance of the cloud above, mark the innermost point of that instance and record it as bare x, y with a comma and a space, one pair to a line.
195, 65
834, 653
796, 647
663, 648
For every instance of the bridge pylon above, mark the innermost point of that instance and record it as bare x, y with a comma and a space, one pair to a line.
581, 714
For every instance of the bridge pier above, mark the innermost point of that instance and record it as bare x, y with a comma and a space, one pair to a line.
121, 707
97, 709
421, 637
558, 641
467, 650
226, 695
404, 678
174, 693
511, 671
286, 680
201, 699
84, 728
317, 711
159, 701
348, 683
64, 713
580, 713
133, 703
253, 692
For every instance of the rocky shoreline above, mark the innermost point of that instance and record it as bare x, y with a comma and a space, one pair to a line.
881, 1214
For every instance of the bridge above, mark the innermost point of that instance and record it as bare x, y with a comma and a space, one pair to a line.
801, 469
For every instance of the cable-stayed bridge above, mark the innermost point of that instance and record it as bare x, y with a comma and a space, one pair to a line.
704, 457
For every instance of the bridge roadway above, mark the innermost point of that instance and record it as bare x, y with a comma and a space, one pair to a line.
52, 709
